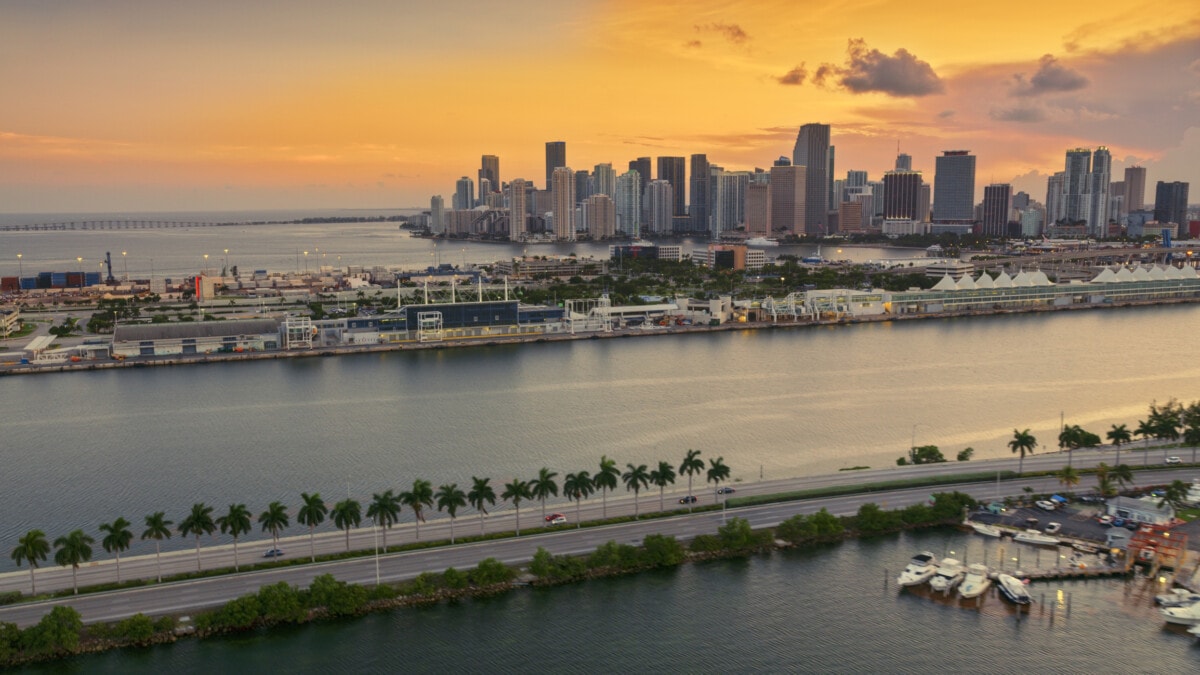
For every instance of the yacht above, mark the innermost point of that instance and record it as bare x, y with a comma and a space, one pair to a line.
986, 530
762, 241
1013, 589
1177, 597
1188, 615
919, 570
976, 582
949, 575
1036, 538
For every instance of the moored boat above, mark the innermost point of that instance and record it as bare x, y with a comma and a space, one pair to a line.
1177, 597
919, 570
949, 575
975, 582
985, 529
762, 241
1013, 589
1188, 615
1036, 538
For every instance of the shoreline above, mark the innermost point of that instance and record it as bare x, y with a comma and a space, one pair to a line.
471, 342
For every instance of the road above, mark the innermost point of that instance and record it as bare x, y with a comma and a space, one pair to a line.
190, 596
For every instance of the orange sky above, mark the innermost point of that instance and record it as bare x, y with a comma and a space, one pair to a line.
141, 105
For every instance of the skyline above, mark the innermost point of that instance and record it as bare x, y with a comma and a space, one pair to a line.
144, 107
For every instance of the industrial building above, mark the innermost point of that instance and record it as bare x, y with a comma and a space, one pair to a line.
204, 337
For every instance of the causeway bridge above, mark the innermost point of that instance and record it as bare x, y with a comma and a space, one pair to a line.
80, 225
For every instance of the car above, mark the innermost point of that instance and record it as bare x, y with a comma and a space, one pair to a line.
1173, 459
1105, 519
1118, 522
1092, 499
726, 491
273, 553
1031, 522
554, 517
1045, 505
690, 499
1053, 528
996, 508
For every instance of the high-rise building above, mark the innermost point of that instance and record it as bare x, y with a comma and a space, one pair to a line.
600, 216
830, 199
562, 191
699, 199
997, 204
1075, 185
850, 217
730, 204
924, 207
518, 228
556, 157
1021, 201
954, 186
643, 166
788, 185
673, 170
1135, 188
878, 194
904, 162
660, 198
812, 152
582, 186
902, 195
1116, 200
437, 215
1170, 203
489, 169
464, 194
485, 191
758, 209
605, 180
629, 204
1098, 180
1055, 197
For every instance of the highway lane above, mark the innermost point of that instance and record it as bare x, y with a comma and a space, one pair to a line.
190, 596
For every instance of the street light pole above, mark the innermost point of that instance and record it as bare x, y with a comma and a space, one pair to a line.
375, 534
125, 261
79, 259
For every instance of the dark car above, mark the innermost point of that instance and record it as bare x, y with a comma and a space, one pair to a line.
273, 553
690, 499
726, 491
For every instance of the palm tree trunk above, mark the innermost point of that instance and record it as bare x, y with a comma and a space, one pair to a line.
543, 508
235, 557
385, 529
32, 584
347, 538
158, 559
312, 543
517, 506
689, 492
481, 523
418, 523
197, 553
74, 578
1118, 454
661, 506
1021, 464
118, 567
604, 495
635, 504
451, 529
578, 524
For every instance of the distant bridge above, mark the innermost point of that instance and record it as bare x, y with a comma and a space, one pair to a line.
114, 225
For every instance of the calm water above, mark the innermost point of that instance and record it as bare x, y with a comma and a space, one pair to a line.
823, 611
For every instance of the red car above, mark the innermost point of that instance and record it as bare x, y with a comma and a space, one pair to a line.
556, 518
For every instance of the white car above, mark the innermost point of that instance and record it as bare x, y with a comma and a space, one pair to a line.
1045, 505
1173, 459
1053, 528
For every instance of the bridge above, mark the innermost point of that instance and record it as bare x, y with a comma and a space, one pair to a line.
114, 225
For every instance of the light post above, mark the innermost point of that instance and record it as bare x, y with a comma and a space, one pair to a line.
226, 262
375, 534
306, 263
79, 259
20, 268
125, 262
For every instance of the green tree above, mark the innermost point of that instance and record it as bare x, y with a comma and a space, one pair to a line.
157, 528
274, 520
1175, 494
480, 495
33, 548
450, 499
57, 632
235, 522
312, 513
606, 479
417, 499
1123, 474
1022, 442
137, 629
1068, 477
1191, 427
117, 538
691, 465
663, 476
578, 486
965, 455
72, 550
925, 454
873, 520
514, 492
345, 515
543, 487
717, 472
384, 510
636, 478
197, 523
1119, 435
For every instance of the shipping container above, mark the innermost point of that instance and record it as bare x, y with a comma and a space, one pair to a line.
29, 283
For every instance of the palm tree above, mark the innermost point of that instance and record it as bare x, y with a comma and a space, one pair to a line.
1146, 429
116, 539
577, 486
73, 549
345, 515
717, 471
1175, 494
1118, 435
33, 548
606, 479
662, 476
450, 499
636, 478
514, 492
544, 486
481, 493
237, 523
1123, 474
384, 510
416, 499
692, 465
1022, 442
312, 514
157, 528
1191, 436
198, 522
1105, 486
274, 520
1068, 476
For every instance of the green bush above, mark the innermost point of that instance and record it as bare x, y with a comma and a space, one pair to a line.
281, 602
58, 632
10, 641
337, 597
661, 551
382, 592
612, 554
10, 597
424, 584
138, 628
873, 520
705, 543
454, 579
164, 624
240, 612
737, 535
916, 514
490, 571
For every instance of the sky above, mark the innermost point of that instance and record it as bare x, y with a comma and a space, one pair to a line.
129, 105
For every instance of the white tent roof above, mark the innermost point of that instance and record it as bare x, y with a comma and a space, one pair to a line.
1003, 281
984, 281
1173, 272
966, 283
1021, 280
1140, 274
1124, 274
1158, 273
1187, 272
1039, 278
945, 284
1107, 276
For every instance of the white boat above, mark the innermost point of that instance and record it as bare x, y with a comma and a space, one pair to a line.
1188, 615
976, 582
920, 569
761, 241
949, 575
1036, 538
1194, 630
1013, 589
1177, 597
985, 529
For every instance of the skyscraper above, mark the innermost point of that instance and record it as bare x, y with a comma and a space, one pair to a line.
489, 169
902, 195
517, 221
788, 185
997, 203
582, 185
562, 199
1170, 203
730, 203
605, 179
643, 167
904, 162
673, 170
1098, 181
699, 198
954, 186
437, 215
629, 203
464, 194
556, 157
812, 152
1055, 187
758, 209
1135, 188
599, 215
1075, 185
660, 198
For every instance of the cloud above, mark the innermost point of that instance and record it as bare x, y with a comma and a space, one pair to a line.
1051, 78
693, 44
946, 114
730, 31
1018, 114
870, 70
795, 76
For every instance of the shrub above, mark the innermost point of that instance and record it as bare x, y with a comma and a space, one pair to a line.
612, 554
737, 535
661, 551
56, 633
704, 543
542, 565
454, 579
10, 641
873, 520
337, 597
383, 592
138, 628
164, 624
281, 602
240, 612
490, 571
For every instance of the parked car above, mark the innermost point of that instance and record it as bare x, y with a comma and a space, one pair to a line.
690, 499
1053, 528
1173, 459
1105, 519
726, 491
1118, 522
273, 553
996, 508
555, 516
1045, 505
